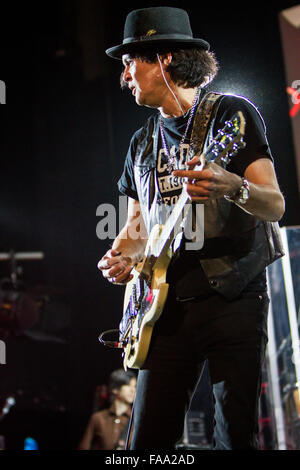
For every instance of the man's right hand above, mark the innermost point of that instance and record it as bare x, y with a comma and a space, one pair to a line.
115, 267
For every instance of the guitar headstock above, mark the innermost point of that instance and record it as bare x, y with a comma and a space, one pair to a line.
227, 142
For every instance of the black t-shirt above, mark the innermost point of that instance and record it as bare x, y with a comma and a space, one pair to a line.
185, 271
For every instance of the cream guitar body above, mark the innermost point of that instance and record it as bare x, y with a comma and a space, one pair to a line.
144, 300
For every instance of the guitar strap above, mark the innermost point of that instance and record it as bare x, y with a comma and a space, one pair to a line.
205, 114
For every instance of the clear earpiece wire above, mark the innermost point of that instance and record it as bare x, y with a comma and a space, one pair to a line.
166, 82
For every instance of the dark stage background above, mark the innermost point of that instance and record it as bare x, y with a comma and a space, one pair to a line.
64, 135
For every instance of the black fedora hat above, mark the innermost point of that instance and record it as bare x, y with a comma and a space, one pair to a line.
156, 26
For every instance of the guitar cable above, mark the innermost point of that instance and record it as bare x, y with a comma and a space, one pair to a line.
110, 344
129, 427
118, 344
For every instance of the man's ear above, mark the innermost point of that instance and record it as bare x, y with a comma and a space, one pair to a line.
167, 59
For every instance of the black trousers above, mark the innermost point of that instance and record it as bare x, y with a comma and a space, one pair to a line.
232, 336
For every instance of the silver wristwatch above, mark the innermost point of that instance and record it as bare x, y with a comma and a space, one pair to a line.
242, 195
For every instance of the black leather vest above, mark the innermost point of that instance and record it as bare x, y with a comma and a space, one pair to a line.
237, 246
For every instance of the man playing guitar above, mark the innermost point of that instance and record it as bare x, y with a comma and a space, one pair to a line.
217, 303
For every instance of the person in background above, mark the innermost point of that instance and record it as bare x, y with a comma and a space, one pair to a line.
107, 429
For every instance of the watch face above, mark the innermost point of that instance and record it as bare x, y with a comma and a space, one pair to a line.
244, 195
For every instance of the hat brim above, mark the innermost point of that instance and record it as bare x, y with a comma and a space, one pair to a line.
116, 52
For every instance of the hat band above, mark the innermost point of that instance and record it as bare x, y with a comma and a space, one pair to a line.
157, 36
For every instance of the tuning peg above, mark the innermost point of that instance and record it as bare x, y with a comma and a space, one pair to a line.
228, 124
215, 151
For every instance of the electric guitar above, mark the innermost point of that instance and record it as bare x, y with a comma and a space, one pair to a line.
146, 293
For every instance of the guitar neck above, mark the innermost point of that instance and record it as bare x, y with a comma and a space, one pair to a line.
166, 237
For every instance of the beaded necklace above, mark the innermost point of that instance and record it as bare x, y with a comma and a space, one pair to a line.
172, 162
